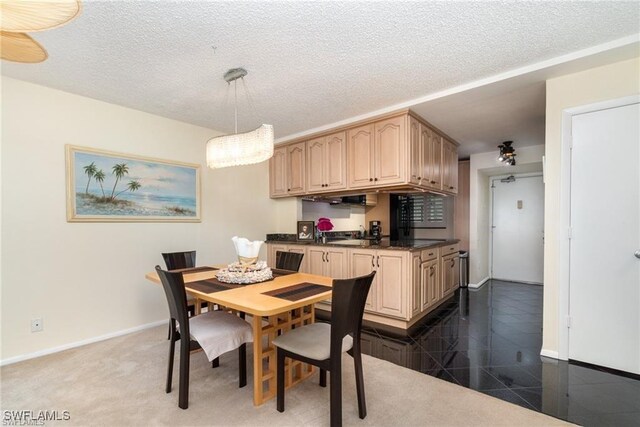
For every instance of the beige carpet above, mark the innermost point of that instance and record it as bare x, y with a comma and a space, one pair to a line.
121, 382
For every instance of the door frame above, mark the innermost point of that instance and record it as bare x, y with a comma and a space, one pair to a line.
491, 204
564, 246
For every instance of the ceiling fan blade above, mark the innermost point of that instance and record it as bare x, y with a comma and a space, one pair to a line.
31, 16
19, 47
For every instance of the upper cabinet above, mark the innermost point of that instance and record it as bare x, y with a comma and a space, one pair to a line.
287, 170
390, 151
398, 151
450, 165
377, 153
361, 156
327, 163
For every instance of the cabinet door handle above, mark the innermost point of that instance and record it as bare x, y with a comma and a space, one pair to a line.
372, 263
378, 260
325, 257
419, 178
375, 179
453, 262
370, 179
451, 188
433, 182
288, 189
432, 270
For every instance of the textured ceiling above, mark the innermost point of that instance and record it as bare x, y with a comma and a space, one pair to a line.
315, 63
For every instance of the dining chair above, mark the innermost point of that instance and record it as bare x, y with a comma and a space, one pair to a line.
216, 332
322, 344
288, 260
179, 260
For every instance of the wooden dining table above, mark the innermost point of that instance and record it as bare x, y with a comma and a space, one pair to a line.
275, 306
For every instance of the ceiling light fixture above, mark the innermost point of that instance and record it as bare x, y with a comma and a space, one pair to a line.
240, 148
18, 17
507, 153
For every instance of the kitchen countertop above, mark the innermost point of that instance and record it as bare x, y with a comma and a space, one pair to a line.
408, 245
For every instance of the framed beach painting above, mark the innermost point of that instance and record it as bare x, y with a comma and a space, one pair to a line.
112, 187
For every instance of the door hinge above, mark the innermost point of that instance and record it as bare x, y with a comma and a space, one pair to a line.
568, 321
569, 233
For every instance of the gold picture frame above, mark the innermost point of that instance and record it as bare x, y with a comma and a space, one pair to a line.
105, 186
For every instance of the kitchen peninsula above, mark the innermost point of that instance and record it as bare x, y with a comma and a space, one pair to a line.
412, 277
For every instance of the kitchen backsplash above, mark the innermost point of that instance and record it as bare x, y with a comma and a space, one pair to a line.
343, 217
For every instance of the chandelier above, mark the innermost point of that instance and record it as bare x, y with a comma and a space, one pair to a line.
507, 153
18, 17
239, 148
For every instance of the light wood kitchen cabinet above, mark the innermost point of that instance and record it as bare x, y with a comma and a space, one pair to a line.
296, 163
327, 163
388, 294
362, 263
450, 274
416, 284
377, 153
425, 156
390, 151
430, 281
417, 149
278, 173
450, 165
287, 171
328, 261
433, 160
398, 151
361, 156
392, 272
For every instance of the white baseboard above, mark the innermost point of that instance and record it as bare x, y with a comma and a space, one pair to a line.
549, 353
480, 283
60, 348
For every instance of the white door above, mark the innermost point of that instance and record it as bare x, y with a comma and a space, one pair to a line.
518, 226
604, 267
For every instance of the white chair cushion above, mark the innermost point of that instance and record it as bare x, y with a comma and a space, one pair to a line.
312, 341
218, 332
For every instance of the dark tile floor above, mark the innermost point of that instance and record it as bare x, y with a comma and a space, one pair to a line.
489, 340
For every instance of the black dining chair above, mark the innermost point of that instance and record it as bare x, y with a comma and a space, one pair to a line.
216, 332
179, 260
288, 260
322, 345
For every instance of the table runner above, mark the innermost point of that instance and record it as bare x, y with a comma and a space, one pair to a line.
195, 269
299, 291
214, 285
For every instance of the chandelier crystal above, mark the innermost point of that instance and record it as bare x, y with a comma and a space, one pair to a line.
240, 148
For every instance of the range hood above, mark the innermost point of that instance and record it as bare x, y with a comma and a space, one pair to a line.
360, 199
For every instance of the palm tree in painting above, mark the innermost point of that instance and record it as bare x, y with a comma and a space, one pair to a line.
99, 176
119, 170
90, 170
132, 186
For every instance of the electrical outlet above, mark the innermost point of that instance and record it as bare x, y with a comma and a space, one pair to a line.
37, 325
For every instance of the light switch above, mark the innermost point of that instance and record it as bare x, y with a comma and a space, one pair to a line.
519, 204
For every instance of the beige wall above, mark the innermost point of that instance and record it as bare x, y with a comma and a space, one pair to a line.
86, 280
343, 217
482, 167
587, 87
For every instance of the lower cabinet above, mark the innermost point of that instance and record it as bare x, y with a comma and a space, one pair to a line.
450, 273
430, 281
407, 284
388, 294
327, 261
